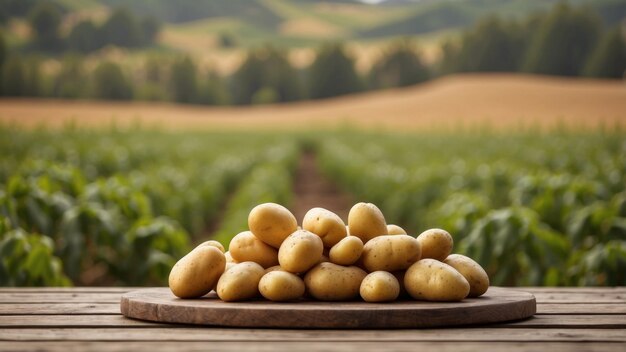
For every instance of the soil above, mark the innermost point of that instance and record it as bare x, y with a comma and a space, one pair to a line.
312, 189
498, 101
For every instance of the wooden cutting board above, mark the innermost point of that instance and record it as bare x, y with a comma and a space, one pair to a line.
160, 305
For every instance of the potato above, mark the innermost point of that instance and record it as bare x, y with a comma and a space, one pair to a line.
331, 282
390, 253
195, 274
432, 280
229, 258
436, 244
395, 230
274, 268
240, 282
280, 286
246, 247
212, 243
300, 251
347, 251
471, 271
366, 221
272, 223
325, 224
379, 286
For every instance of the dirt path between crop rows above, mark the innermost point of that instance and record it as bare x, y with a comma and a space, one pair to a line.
312, 189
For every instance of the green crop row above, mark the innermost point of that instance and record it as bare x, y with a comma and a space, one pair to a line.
535, 209
115, 207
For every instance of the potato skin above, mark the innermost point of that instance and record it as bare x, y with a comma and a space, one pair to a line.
240, 282
347, 251
281, 286
195, 274
432, 280
212, 243
332, 282
395, 230
300, 251
475, 275
390, 253
436, 244
272, 223
325, 224
379, 286
366, 221
246, 247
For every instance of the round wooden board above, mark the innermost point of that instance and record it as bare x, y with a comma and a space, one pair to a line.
160, 305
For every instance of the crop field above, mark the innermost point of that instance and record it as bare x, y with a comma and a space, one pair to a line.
120, 206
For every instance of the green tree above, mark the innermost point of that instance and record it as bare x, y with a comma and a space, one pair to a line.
333, 73
491, 46
3, 49
400, 66
609, 58
183, 81
213, 91
70, 82
14, 77
3, 57
122, 29
45, 19
563, 42
266, 68
110, 82
150, 28
84, 37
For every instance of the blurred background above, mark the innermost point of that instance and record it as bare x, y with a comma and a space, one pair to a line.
132, 130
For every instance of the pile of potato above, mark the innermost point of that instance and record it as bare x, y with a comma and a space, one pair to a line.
328, 261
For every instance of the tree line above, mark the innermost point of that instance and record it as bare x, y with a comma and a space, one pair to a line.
565, 41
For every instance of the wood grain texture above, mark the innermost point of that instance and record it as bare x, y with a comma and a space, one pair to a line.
159, 305
548, 321
202, 333
334, 346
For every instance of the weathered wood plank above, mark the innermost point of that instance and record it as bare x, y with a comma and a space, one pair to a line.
581, 308
59, 308
58, 297
276, 346
206, 334
34, 296
109, 321
68, 289
114, 308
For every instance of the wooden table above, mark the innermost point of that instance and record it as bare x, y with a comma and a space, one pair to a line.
78, 319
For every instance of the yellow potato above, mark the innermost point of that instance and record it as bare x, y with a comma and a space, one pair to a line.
272, 223
390, 253
347, 251
436, 244
471, 271
300, 251
195, 274
331, 282
432, 280
366, 221
280, 286
212, 243
379, 286
274, 268
240, 282
246, 247
325, 224
229, 258
395, 230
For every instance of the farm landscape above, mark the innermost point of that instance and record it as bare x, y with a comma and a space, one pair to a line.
526, 171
